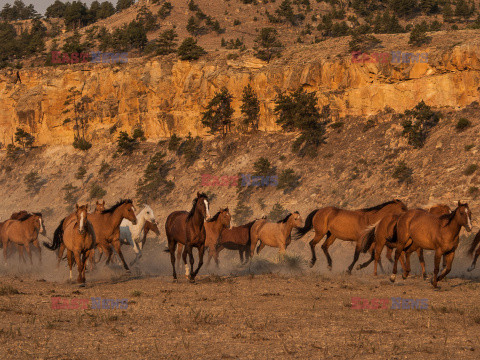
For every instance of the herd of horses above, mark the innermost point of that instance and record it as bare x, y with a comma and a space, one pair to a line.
390, 224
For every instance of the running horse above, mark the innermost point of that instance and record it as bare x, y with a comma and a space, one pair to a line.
149, 226
22, 231
79, 239
274, 234
188, 228
106, 226
348, 225
419, 229
383, 233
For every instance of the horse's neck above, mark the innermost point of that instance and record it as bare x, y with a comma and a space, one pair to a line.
140, 221
373, 216
452, 229
287, 229
197, 220
113, 220
217, 227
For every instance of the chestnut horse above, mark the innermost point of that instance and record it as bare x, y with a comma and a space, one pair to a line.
274, 234
99, 207
106, 226
420, 229
382, 234
213, 228
188, 228
22, 232
149, 226
79, 239
348, 225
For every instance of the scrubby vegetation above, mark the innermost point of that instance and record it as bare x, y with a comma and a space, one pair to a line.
154, 183
418, 122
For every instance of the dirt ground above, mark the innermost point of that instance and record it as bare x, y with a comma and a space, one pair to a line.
266, 310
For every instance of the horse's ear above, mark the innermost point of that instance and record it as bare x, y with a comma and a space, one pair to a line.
97, 203
103, 202
198, 194
86, 207
76, 205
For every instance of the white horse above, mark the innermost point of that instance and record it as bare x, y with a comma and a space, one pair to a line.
132, 234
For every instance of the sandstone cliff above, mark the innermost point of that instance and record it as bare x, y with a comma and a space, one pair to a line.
167, 96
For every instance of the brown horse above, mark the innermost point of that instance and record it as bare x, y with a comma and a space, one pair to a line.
79, 239
473, 245
22, 232
106, 226
17, 216
188, 228
99, 207
420, 229
274, 234
382, 234
348, 225
149, 226
213, 228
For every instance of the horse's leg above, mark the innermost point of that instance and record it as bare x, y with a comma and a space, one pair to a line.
247, 255
328, 242
422, 263
171, 248
316, 239
70, 261
398, 253
369, 261
184, 258
217, 254
448, 259
5, 246
61, 249
260, 247
406, 269
76, 254
389, 254
29, 252
201, 252
474, 262
21, 257
379, 245
358, 249
438, 256
180, 248
117, 246
37, 245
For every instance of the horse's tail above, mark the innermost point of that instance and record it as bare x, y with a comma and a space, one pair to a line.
57, 238
300, 232
368, 238
474, 244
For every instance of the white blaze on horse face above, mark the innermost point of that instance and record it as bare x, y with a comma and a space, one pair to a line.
81, 222
469, 219
206, 207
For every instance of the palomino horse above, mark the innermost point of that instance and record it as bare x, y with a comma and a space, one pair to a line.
213, 228
149, 226
419, 229
79, 239
131, 234
22, 232
473, 245
188, 228
348, 225
382, 235
106, 226
274, 234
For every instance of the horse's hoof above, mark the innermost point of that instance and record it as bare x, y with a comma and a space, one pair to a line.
404, 276
392, 278
175, 281
349, 272
359, 267
329, 267
311, 263
471, 268
81, 285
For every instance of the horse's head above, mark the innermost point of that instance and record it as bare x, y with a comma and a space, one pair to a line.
203, 205
400, 204
297, 219
225, 218
38, 218
99, 206
81, 214
464, 216
148, 214
128, 212
155, 229
440, 209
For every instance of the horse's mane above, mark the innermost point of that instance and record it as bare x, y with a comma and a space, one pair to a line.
380, 206
215, 217
194, 204
286, 217
114, 207
449, 217
25, 217
38, 214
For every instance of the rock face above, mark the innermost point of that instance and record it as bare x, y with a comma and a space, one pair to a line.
167, 96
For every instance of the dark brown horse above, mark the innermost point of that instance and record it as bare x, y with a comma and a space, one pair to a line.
473, 245
420, 229
188, 228
348, 225
383, 233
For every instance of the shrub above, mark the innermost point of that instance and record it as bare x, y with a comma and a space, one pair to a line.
191, 149
267, 44
153, 183
24, 138
80, 173
463, 124
469, 147
337, 125
13, 152
126, 144
421, 119
189, 50
369, 125
165, 10
277, 213
363, 42
418, 36
81, 144
242, 213
218, 114
174, 142
473, 191
139, 134
97, 192
288, 180
403, 173
470, 169
33, 182
262, 167
71, 194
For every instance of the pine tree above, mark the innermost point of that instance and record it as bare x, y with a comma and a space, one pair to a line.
250, 107
218, 116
